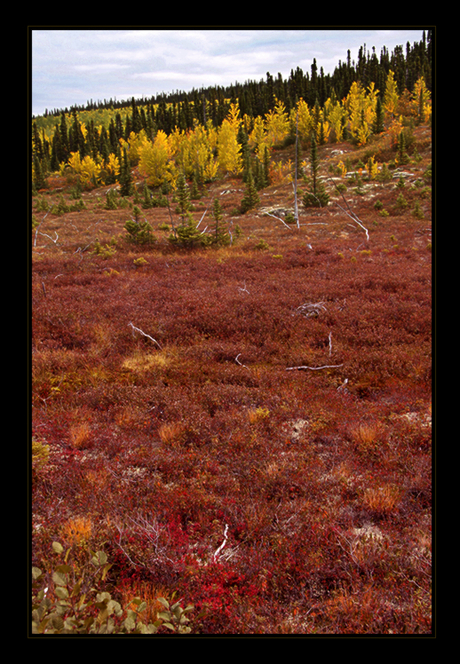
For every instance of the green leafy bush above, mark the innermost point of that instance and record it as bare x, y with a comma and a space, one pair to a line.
69, 606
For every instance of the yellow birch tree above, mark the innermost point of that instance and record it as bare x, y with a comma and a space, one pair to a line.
228, 149
277, 124
305, 120
390, 97
421, 102
154, 161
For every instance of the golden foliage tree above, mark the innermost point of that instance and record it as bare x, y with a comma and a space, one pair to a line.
229, 156
154, 162
421, 102
390, 97
277, 124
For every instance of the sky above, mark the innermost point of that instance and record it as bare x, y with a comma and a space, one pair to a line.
73, 66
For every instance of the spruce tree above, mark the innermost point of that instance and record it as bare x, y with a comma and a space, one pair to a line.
221, 235
64, 142
183, 197
266, 166
379, 116
126, 179
39, 179
187, 234
251, 197
317, 196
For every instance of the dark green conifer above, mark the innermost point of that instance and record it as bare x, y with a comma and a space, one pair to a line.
126, 180
317, 196
64, 142
379, 115
183, 197
221, 236
267, 166
251, 197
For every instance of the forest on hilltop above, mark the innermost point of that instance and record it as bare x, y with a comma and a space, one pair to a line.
209, 132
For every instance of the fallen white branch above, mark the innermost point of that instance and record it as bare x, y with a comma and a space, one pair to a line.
326, 366
136, 329
219, 549
279, 219
240, 363
204, 214
36, 232
343, 386
354, 217
50, 238
311, 309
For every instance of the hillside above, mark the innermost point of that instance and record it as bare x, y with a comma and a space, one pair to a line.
232, 403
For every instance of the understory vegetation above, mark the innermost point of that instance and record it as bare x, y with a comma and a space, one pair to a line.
231, 396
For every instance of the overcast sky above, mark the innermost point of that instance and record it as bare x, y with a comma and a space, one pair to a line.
75, 65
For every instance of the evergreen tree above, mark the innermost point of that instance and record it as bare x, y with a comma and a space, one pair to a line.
183, 197
251, 197
56, 150
402, 154
76, 138
221, 236
379, 116
39, 179
64, 139
266, 165
259, 176
139, 232
317, 196
126, 179
147, 201
136, 122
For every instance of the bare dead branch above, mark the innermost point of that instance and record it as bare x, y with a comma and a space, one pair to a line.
343, 386
204, 214
136, 329
36, 232
279, 219
50, 238
353, 216
311, 309
240, 363
326, 366
219, 549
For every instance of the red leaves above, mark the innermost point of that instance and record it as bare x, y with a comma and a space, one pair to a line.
185, 440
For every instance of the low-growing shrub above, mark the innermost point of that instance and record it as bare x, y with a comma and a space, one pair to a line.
63, 605
139, 232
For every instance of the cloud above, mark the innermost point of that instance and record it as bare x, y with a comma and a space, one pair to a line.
100, 67
72, 66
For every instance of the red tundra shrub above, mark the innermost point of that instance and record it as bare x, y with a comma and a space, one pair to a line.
251, 429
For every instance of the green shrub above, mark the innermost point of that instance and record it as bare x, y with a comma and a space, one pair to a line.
417, 211
74, 602
40, 454
401, 203
188, 236
139, 232
106, 251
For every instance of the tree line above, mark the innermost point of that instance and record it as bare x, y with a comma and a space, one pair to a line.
255, 98
208, 133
